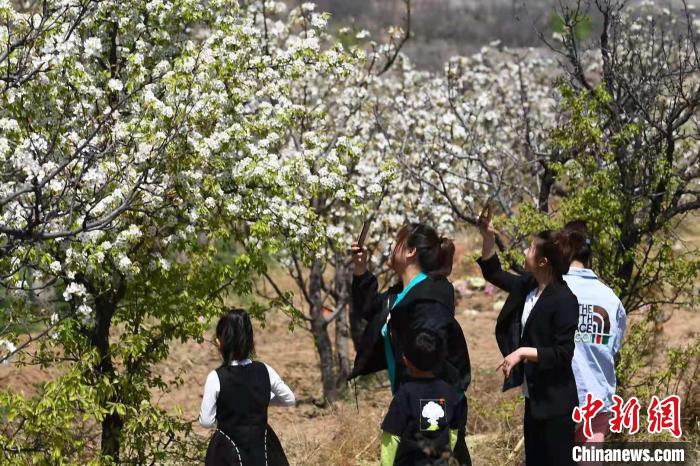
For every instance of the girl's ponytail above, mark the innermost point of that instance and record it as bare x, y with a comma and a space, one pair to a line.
235, 333
445, 258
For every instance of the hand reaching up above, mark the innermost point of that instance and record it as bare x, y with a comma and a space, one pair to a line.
488, 234
359, 259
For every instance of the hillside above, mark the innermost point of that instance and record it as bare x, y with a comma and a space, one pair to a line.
444, 28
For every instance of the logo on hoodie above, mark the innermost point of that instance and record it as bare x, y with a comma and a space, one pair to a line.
432, 414
593, 325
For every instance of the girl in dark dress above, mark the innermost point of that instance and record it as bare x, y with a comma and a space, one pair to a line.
236, 398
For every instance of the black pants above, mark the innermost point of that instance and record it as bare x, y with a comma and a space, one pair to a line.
548, 442
461, 452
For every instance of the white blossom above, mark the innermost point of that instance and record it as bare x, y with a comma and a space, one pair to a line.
93, 47
6, 349
55, 267
124, 264
74, 289
115, 85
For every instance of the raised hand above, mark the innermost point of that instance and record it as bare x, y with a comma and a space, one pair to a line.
488, 234
484, 223
359, 259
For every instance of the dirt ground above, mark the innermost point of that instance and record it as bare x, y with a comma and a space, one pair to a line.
348, 432
313, 435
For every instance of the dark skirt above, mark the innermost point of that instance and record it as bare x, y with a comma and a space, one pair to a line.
232, 450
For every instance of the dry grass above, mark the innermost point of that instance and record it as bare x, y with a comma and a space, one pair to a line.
341, 435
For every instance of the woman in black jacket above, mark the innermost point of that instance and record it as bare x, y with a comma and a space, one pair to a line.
535, 333
423, 299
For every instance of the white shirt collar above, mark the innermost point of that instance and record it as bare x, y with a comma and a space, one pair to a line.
241, 362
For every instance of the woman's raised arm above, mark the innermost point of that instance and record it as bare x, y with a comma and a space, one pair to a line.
490, 264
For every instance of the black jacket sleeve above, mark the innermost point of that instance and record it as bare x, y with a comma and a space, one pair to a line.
564, 323
366, 299
457, 365
493, 273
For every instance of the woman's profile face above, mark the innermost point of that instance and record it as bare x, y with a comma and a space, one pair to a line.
400, 256
395, 259
533, 263
531, 257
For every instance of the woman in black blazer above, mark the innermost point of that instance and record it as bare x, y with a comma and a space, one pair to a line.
535, 333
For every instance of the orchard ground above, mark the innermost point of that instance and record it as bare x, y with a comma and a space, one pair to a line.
341, 434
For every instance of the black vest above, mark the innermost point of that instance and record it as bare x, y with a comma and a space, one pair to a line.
241, 417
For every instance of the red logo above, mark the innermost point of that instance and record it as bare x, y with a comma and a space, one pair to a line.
665, 415
625, 416
586, 413
661, 415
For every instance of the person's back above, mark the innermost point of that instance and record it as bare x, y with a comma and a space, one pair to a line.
421, 425
598, 338
241, 408
602, 322
601, 325
422, 417
236, 399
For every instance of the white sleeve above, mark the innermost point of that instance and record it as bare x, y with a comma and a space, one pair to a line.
281, 394
621, 326
207, 413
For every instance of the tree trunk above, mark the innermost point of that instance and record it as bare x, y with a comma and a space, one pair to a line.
319, 329
624, 272
112, 425
342, 329
629, 241
357, 323
111, 436
546, 183
342, 348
